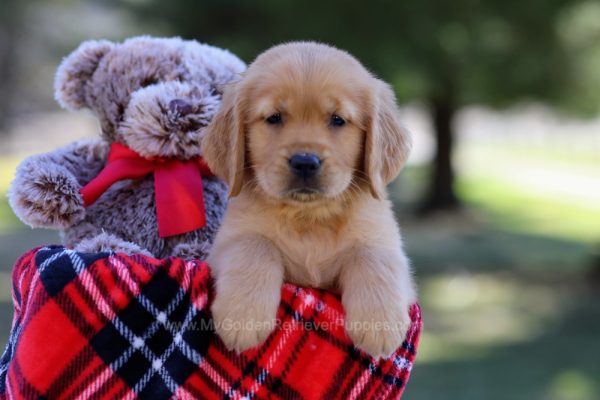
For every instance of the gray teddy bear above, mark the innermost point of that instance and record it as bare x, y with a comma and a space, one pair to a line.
137, 189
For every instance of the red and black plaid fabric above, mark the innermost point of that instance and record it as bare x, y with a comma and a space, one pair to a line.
114, 326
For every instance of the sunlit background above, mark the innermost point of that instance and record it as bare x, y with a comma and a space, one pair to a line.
500, 202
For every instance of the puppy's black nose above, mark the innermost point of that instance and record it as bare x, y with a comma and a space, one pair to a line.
305, 165
180, 107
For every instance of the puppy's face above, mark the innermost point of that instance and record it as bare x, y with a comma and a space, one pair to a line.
305, 132
306, 123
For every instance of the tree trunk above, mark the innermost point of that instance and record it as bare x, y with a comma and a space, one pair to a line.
441, 195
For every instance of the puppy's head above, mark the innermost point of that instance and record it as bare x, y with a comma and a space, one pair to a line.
307, 122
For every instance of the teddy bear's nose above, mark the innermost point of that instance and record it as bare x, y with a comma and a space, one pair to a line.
180, 107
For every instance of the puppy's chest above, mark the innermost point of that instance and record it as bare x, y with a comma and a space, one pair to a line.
310, 257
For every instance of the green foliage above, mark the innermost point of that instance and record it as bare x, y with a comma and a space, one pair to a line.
476, 51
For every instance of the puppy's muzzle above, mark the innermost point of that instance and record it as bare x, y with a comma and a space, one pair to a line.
304, 165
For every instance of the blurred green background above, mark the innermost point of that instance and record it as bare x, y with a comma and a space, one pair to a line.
500, 202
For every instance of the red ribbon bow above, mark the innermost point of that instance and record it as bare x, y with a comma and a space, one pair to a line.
177, 187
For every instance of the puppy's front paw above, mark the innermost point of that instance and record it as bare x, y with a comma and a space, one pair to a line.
378, 328
244, 322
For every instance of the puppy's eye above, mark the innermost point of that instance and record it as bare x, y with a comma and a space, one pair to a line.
274, 119
336, 120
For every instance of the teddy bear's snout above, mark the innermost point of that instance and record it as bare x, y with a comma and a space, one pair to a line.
180, 107
167, 119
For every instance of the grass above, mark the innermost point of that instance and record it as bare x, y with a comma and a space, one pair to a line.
523, 193
582, 153
8, 220
506, 287
7, 171
516, 209
532, 349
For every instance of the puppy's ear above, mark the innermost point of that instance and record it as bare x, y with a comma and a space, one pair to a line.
224, 143
387, 143
76, 70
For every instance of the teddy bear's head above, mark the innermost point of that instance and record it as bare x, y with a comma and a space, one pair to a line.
154, 95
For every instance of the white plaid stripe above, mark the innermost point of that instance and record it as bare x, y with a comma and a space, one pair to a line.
403, 363
12, 345
218, 379
9, 391
151, 330
121, 327
124, 274
276, 353
190, 267
331, 313
52, 258
97, 383
183, 394
86, 279
399, 362
200, 302
164, 373
98, 297
157, 362
16, 332
36, 277
76, 261
14, 337
185, 348
360, 383
334, 315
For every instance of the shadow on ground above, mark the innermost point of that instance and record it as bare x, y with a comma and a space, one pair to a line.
507, 315
559, 363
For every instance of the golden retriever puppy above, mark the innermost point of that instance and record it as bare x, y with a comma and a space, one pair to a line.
308, 140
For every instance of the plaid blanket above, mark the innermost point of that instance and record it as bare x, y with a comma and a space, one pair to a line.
114, 326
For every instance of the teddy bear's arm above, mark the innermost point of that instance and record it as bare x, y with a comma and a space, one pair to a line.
45, 191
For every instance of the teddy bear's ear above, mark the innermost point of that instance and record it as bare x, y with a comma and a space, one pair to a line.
75, 71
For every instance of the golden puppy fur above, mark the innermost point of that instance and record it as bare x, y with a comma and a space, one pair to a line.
336, 232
